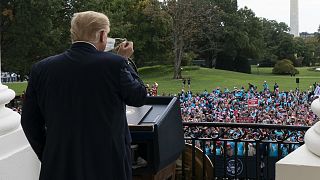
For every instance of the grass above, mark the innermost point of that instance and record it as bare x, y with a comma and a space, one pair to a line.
204, 78
18, 87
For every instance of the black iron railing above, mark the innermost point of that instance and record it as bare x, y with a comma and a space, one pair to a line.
236, 150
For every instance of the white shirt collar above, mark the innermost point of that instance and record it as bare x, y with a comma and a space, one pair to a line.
85, 42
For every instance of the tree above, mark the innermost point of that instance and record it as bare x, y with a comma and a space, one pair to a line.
284, 66
190, 18
31, 36
242, 39
150, 31
183, 16
304, 50
207, 41
270, 30
227, 53
6, 18
224, 61
278, 43
286, 49
253, 38
241, 64
41, 28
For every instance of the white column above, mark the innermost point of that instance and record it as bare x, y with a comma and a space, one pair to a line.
312, 136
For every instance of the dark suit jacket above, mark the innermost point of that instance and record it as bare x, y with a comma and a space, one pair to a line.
74, 114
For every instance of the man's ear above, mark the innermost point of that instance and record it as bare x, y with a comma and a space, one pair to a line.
101, 36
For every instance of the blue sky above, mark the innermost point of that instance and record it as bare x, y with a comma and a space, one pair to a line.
279, 10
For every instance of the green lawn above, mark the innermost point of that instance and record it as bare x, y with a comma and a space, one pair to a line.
203, 78
18, 87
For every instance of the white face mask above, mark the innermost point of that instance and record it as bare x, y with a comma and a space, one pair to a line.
113, 43
110, 44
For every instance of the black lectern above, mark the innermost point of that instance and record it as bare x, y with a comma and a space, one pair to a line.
158, 132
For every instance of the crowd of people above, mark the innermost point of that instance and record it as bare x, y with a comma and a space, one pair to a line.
153, 90
16, 104
232, 106
272, 106
8, 77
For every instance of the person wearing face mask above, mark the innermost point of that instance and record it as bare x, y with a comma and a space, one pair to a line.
119, 50
74, 113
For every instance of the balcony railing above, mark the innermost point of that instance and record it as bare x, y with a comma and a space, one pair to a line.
232, 150
236, 150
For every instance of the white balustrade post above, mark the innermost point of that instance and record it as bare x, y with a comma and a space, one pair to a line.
304, 162
312, 136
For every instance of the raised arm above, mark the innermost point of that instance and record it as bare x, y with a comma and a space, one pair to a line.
133, 90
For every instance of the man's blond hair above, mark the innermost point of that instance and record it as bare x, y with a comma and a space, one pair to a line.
86, 26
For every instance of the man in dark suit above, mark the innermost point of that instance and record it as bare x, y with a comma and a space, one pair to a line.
74, 113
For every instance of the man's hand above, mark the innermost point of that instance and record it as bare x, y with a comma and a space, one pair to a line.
126, 49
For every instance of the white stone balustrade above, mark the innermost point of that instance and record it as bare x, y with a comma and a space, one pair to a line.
303, 163
312, 137
9, 120
17, 159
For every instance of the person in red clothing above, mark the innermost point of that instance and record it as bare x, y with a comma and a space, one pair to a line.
155, 89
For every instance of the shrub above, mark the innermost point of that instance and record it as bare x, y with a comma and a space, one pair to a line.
242, 65
227, 62
224, 61
284, 66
